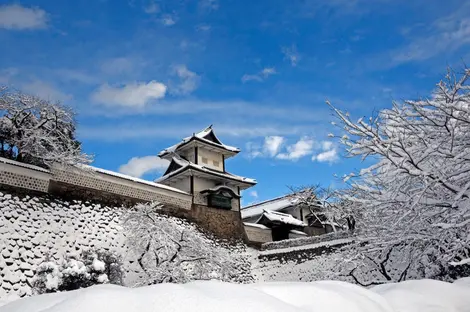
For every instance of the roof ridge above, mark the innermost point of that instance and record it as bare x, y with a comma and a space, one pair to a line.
266, 201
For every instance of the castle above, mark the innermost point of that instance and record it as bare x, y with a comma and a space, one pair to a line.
195, 186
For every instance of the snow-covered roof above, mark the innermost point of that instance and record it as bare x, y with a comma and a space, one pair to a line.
220, 188
206, 136
134, 179
274, 204
283, 218
20, 164
256, 225
186, 165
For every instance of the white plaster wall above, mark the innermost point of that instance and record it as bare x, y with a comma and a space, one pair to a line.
201, 184
112, 184
184, 185
211, 157
24, 177
257, 234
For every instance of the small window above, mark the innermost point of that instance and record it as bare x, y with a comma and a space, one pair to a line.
204, 160
215, 163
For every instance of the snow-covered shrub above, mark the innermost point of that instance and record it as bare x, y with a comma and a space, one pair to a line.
91, 268
170, 249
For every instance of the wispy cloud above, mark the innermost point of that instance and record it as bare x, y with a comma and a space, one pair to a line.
212, 5
168, 20
443, 36
139, 166
291, 54
188, 80
118, 65
260, 76
136, 94
122, 132
15, 16
44, 90
151, 7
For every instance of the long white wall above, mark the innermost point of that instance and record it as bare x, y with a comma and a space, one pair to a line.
34, 178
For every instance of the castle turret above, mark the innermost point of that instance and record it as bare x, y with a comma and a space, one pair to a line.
197, 166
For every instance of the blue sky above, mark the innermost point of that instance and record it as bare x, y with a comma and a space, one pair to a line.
144, 74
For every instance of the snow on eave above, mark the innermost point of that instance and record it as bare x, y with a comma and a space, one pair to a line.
188, 165
256, 225
20, 164
283, 217
275, 204
199, 136
130, 178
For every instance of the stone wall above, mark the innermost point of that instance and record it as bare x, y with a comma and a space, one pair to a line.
288, 243
257, 234
32, 228
223, 223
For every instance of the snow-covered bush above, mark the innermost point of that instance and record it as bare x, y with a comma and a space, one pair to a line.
91, 268
173, 250
37, 131
415, 198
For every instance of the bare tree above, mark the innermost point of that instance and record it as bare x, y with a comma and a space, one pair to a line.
172, 250
417, 193
37, 131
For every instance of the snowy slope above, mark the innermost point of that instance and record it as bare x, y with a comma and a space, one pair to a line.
211, 296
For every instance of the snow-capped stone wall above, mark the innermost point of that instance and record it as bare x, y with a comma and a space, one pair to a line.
33, 227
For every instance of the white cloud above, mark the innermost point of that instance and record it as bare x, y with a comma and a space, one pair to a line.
254, 194
291, 54
189, 80
136, 94
139, 166
260, 76
302, 148
273, 144
168, 20
329, 154
15, 16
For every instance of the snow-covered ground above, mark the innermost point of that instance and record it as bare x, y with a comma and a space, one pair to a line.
331, 296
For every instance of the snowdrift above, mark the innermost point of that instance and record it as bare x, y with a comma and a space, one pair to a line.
211, 296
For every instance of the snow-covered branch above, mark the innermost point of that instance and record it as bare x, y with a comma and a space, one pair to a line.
37, 131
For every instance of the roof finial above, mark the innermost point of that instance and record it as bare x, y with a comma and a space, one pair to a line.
210, 127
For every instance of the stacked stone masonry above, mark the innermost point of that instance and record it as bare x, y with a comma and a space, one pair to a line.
32, 228
223, 223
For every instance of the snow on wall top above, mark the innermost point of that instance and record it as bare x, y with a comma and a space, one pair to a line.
283, 218
126, 177
20, 164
